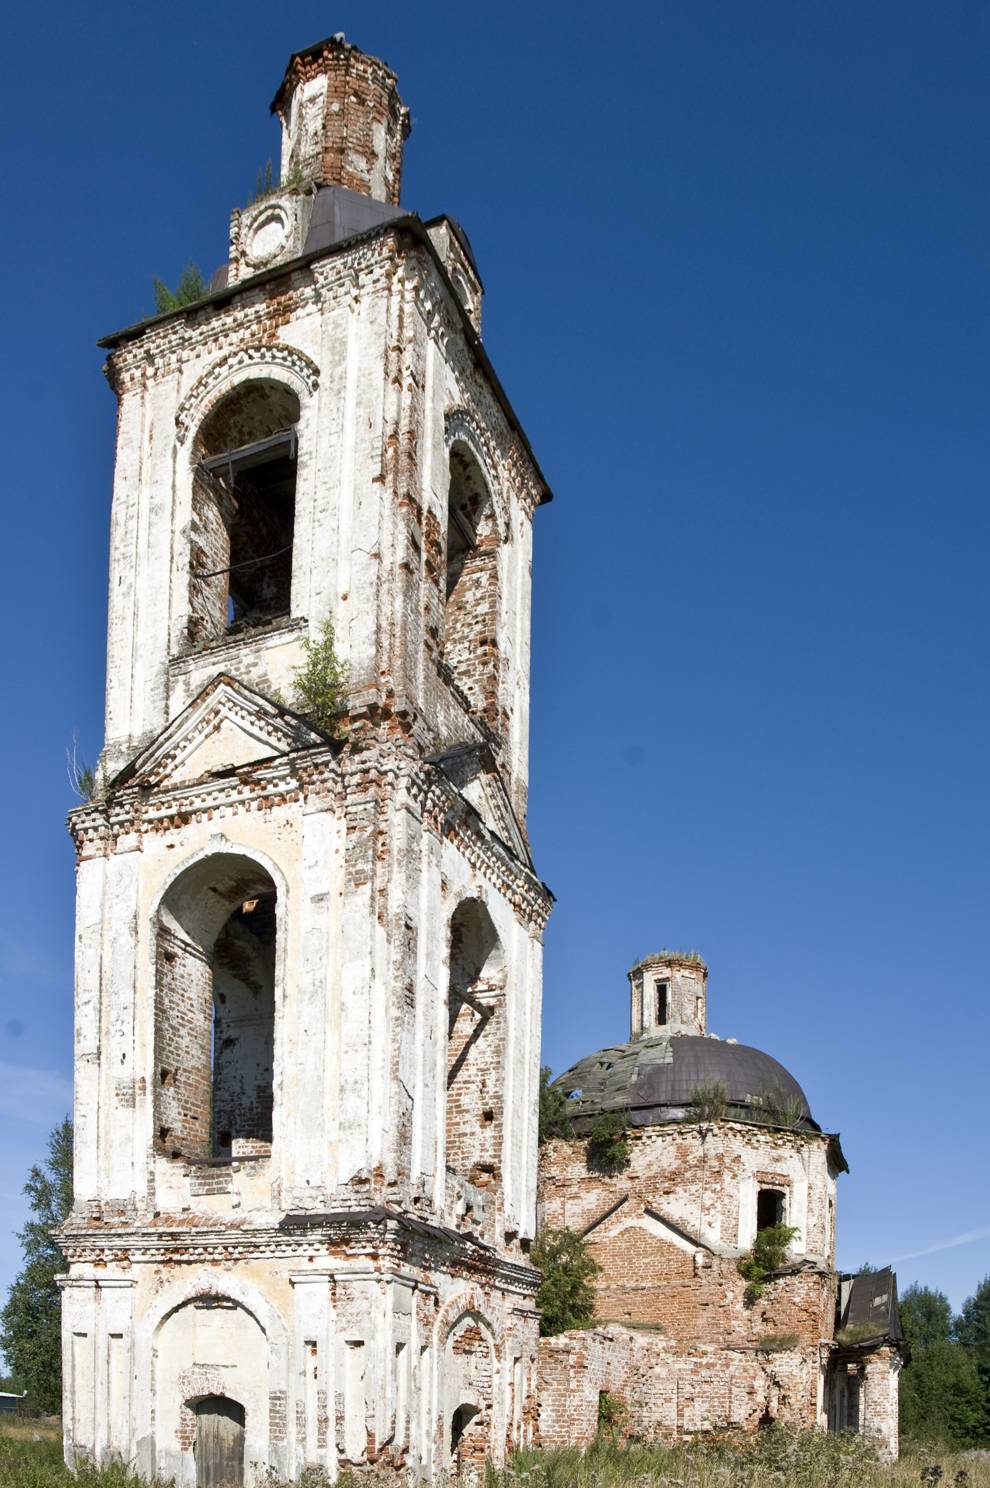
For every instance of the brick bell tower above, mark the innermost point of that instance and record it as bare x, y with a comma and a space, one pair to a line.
309, 953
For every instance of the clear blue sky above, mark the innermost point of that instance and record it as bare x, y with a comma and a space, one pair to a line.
737, 262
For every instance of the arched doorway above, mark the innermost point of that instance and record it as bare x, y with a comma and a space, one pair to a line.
470, 1370
219, 1445
460, 1434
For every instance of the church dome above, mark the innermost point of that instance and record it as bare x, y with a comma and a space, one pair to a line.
662, 1077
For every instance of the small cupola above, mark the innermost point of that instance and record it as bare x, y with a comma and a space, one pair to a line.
343, 122
669, 994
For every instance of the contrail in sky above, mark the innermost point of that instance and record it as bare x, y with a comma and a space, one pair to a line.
963, 1239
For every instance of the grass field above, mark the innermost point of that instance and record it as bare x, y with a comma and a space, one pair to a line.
31, 1457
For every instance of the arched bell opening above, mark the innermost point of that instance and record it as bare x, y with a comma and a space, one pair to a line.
475, 1045
471, 593
215, 1010
243, 518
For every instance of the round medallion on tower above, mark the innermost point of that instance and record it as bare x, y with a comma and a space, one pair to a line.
267, 235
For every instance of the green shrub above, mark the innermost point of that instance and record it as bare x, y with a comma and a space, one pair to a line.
566, 1295
608, 1150
611, 1414
710, 1102
768, 1254
555, 1114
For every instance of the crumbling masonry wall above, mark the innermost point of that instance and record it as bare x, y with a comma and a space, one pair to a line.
668, 1392
668, 1230
183, 1045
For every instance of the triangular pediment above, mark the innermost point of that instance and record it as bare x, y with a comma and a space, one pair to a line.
226, 727
626, 1215
472, 769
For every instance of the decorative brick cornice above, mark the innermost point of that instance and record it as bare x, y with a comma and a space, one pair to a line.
165, 345
99, 826
356, 777
385, 1236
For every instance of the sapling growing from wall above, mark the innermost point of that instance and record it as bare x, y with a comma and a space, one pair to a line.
267, 184
263, 185
320, 683
767, 1255
710, 1102
83, 778
191, 286
777, 1108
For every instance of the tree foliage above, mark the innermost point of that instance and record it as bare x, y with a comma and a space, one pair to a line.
926, 1317
30, 1323
942, 1399
943, 1390
555, 1116
972, 1326
566, 1296
191, 286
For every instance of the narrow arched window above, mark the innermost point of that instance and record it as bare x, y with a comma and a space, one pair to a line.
475, 1045
770, 1208
244, 495
215, 1011
470, 634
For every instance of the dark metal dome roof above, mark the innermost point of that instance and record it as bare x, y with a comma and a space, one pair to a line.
657, 1079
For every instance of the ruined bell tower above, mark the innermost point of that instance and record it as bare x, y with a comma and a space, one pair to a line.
308, 947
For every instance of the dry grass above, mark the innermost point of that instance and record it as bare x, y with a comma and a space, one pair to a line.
776, 1459
24, 1428
31, 1457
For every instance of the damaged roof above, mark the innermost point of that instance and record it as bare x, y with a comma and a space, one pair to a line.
867, 1311
658, 1078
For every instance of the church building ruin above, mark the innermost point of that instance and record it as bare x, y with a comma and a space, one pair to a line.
309, 958
309, 939
719, 1148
